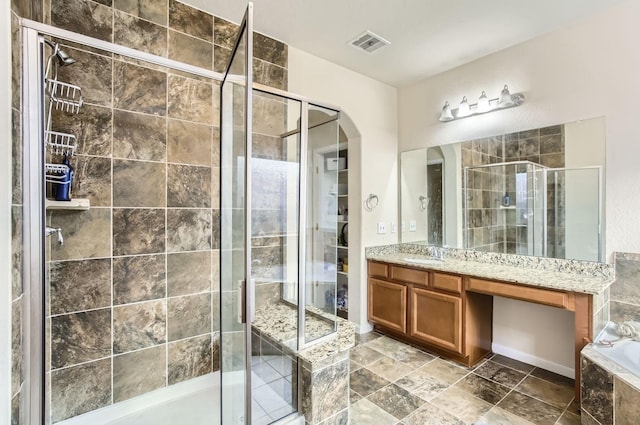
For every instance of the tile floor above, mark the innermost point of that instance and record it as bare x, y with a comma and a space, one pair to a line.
272, 387
396, 384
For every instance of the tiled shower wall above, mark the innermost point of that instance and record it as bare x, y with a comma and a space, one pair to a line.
625, 291
490, 227
133, 293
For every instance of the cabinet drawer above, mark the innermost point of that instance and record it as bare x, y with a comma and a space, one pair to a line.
447, 282
526, 293
378, 269
409, 275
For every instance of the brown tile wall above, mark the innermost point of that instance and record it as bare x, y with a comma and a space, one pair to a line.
134, 294
608, 395
490, 228
625, 291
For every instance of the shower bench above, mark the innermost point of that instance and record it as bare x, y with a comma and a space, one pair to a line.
324, 366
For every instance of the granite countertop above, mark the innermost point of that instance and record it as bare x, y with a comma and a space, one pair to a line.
549, 279
279, 322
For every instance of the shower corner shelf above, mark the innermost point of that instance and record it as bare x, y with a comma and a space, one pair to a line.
511, 207
77, 204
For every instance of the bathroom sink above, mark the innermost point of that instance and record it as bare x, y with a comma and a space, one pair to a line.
425, 261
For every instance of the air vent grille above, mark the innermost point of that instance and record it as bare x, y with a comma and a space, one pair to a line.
369, 42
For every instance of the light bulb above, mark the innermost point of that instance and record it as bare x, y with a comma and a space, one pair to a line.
483, 103
505, 97
446, 114
463, 109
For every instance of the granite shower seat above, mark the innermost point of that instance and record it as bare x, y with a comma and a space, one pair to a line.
324, 366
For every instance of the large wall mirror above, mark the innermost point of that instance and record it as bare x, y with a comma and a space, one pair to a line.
536, 192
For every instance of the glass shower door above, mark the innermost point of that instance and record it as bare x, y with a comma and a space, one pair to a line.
235, 252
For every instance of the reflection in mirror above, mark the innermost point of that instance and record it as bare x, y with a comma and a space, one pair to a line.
435, 197
537, 192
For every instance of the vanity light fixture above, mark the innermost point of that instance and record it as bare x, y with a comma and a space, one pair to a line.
463, 108
446, 114
484, 105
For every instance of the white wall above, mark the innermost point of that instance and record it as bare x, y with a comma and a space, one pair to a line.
585, 70
370, 121
5, 213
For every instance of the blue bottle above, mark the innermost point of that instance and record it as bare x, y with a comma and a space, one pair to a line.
506, 200
63, 188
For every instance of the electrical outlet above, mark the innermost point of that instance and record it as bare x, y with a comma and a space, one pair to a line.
394, 227
412, 226
382, 228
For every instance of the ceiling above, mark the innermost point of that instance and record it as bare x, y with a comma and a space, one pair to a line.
427, 36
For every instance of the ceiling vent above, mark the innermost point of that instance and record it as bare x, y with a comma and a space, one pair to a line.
369, 42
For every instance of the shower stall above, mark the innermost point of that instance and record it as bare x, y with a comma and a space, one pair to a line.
525, 208
174, 285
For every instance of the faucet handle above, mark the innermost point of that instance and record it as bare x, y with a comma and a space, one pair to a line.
51, 230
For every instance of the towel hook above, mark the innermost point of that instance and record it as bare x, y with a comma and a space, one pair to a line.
424, 202
371, 202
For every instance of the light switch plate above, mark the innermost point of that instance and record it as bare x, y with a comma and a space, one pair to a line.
404, 226
394, 227
412, 226
382, 228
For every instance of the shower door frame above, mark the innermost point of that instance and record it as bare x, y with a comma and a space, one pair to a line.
34, 404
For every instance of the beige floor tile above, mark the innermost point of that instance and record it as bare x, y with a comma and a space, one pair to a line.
364, 355
556, 395
353, 366
444, 371
432, 415
364, 412
421, 383
498, 416
462, 405
389, 368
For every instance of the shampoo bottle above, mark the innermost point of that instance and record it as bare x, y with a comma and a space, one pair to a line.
63, 188
506, 200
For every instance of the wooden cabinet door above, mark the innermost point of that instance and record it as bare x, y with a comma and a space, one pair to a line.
436, 319
388, 304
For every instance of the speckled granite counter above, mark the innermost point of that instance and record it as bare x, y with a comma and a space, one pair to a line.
565, 275
279, 322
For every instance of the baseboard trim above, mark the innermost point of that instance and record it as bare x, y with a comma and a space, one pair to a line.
533, 360
363, 329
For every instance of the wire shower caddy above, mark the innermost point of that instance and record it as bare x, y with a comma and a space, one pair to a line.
67, 98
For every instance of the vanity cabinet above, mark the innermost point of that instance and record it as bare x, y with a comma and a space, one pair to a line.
431, 310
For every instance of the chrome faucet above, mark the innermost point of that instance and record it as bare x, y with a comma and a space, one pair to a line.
51, 230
